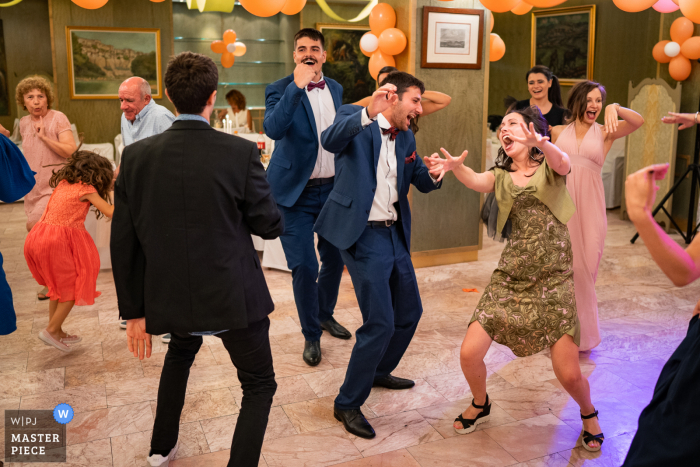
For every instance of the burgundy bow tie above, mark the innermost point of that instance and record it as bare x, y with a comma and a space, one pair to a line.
393, 131
321, 85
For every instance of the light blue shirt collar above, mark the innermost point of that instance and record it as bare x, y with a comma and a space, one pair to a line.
192, 117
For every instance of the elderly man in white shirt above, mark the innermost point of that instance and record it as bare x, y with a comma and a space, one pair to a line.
141, 116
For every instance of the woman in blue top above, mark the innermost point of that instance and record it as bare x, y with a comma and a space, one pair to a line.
16, 180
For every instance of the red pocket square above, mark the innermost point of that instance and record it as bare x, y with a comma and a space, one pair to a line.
411, 158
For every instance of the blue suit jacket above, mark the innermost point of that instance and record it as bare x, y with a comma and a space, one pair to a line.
345, 214
293, 127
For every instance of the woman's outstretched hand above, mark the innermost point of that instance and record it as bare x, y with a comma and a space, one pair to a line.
531, 138
686, 120
438, 166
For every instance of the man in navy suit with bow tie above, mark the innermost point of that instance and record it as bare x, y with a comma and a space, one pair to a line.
368, 218
297, 110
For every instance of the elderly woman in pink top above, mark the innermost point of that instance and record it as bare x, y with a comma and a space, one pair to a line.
587, 143
47, 140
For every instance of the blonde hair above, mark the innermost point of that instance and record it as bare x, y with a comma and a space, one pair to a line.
33, 82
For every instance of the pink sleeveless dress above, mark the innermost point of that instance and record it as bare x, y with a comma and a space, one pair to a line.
588, 226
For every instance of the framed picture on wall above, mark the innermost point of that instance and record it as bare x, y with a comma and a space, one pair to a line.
563, 39
100, 59
452, 38
4, 90
345, 62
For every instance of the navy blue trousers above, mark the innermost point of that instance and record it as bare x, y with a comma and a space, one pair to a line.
387, 291
315, 293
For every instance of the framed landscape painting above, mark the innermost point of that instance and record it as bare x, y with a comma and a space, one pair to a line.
4, 90
452, 38
100, 59
564, 40
345, 62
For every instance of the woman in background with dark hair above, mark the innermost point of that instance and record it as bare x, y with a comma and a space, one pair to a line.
587, 144
546, 95
432, 100
529, 304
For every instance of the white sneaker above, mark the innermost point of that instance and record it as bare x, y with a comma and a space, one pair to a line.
122, 324
156, 460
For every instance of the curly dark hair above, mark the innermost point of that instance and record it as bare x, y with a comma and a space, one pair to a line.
89, 168
530, 115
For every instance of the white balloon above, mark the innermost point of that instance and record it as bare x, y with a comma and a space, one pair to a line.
231, 47
240, 49
672, 49
369, 42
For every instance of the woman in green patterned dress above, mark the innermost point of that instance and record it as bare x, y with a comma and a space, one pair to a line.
529, 305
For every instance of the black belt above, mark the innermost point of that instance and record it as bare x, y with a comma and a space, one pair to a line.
375, 224
320, 181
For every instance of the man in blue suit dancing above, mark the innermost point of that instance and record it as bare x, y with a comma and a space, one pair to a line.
368, 218
297, 110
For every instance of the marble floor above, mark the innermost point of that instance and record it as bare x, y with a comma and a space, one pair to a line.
534, 422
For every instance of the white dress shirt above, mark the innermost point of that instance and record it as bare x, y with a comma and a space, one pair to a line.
387, 193
324, 113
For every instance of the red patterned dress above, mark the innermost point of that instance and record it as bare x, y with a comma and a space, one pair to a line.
60, 253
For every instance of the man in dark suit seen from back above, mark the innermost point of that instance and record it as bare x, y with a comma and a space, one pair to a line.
186, 203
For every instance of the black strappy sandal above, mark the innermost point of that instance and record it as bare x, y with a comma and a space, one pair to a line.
586, 437
469, 425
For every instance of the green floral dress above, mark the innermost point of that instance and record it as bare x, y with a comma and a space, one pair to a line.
529, 303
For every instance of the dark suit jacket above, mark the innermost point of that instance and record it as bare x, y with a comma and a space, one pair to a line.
293, 127
345, 214
185, 204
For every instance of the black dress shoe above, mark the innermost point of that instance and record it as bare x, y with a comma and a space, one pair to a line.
392, 382
335, 329
354, 422
312, 352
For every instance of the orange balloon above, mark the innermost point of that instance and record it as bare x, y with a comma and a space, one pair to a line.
691, 48
263, 8
381, 17
292, 7
499, 6
378, 60
392, 41
676, 2
633, 6
522, 8
229, 36
90, 4
497, 48
218, 47
227, 59
690, 9
681, 30
544, 3
659, 54
679, 68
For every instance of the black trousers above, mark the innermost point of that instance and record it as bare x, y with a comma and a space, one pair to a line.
669, 427
250, 353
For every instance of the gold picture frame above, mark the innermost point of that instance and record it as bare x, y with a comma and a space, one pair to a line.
100, 59
563, 31
345, 62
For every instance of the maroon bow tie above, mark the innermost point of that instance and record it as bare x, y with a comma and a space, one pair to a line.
393, 131
321, 85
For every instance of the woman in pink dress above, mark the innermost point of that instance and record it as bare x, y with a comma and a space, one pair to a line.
47, 140
587, 143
